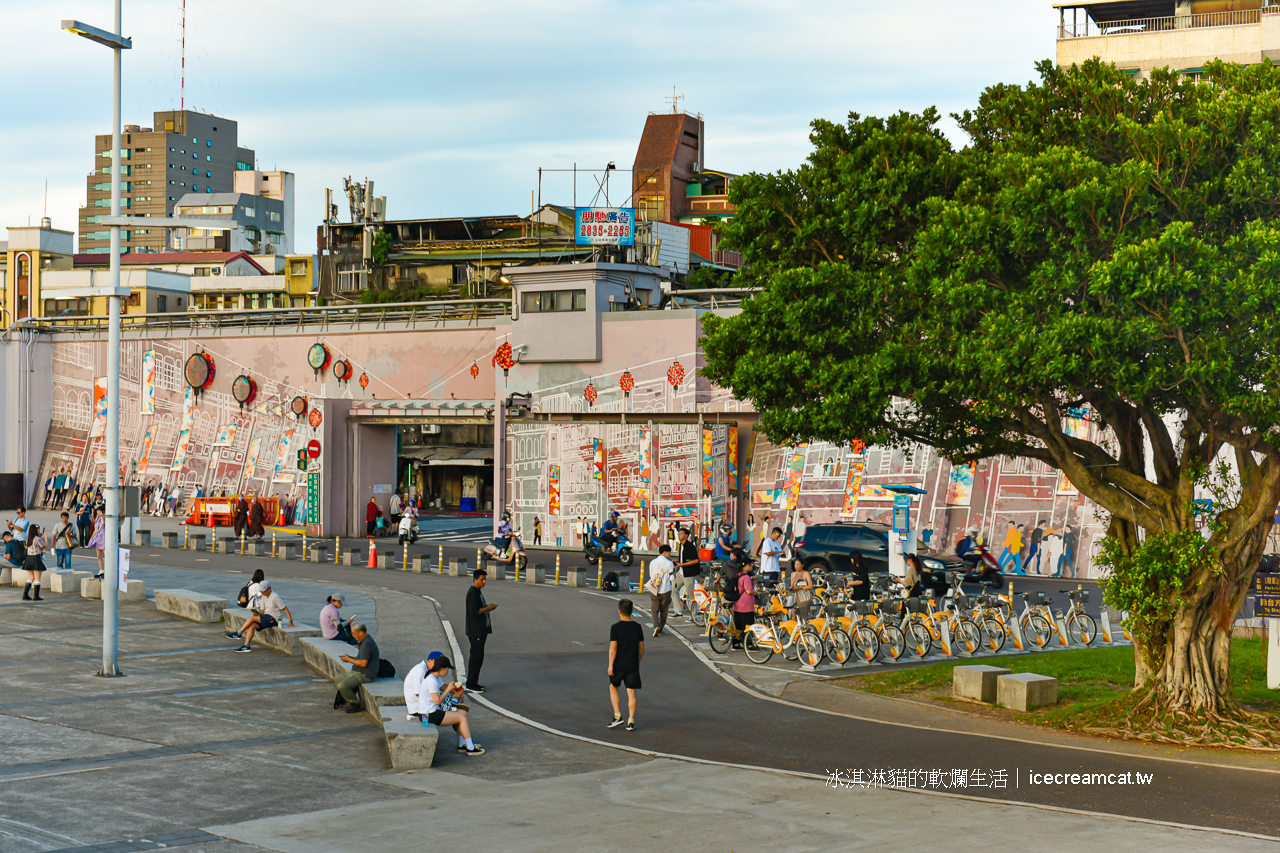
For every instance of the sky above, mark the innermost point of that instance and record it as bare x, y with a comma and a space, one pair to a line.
451, 108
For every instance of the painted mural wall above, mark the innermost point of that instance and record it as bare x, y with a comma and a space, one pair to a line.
173, 436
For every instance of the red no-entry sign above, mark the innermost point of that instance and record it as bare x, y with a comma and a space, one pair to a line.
313, 449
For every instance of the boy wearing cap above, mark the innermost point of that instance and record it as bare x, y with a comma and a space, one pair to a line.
272, 606
414, 701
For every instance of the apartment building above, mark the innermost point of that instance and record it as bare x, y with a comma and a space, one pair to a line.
184, 152
1141, 35
260, 224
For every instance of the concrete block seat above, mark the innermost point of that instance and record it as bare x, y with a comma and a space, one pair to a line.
1024, 691
92, 588
65, 581
976, 682
282, 639
195, 606
410, 745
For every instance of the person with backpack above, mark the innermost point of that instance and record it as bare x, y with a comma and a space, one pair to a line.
64, 541
659, 588
250, 591
268, 608
364, 668
739, 591
690, 566
84, 518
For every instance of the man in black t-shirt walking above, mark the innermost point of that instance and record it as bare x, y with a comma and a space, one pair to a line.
690, 567
626, 649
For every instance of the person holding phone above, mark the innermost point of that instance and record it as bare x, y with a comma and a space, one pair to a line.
444, 705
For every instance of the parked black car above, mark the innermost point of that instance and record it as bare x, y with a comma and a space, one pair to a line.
828, 548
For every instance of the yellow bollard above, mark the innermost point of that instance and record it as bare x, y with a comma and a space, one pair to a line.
600, 573
440, 560
273, 543
337, 549
477, 558
517, 565
186, 537
641, 587
242, 533
406, 558
557, 575
304, 545
215, 538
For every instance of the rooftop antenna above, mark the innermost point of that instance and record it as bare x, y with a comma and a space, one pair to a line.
46, 198
674, 99
184, 55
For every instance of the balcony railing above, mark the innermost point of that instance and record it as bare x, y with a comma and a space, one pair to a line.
1069, 28
471, 310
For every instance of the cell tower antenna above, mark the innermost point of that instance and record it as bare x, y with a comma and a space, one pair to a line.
674, 99
184, 55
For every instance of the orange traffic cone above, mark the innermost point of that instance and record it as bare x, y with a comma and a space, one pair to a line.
373, 555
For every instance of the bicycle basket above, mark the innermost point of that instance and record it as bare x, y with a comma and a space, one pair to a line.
917, 605
862, 608
1084, 596
832, 609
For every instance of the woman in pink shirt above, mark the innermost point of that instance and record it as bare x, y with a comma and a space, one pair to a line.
744, 609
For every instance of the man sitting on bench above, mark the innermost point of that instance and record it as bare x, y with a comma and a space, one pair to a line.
364, 668
267, 607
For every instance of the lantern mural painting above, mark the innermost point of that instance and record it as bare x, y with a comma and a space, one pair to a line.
200, 371
342, 370
605, 226
675, 374
99, 408
364, 380
244, 390
553, 490
226, 435
589, 394
318, 357
315, 418
148, 406
852, 485
475, 370
298, 407
960, 485
144, 459
251, 464
503, 358
627, 382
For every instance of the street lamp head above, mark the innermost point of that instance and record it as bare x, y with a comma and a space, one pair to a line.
102, 37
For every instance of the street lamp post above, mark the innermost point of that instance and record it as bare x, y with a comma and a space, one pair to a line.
111, 578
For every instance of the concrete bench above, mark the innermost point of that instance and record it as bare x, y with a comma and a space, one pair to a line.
976, 682
1023, 691
195, 606
142, 537
318, 552
66, 582
92, 588
169, 538
535, 574
410, 744
286, 550
281, 638
578, 578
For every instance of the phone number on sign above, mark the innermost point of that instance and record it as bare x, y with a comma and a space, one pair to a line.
605, 230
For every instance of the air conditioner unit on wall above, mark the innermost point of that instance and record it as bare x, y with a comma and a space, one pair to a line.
431, 429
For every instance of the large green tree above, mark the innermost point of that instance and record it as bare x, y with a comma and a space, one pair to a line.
1101, 243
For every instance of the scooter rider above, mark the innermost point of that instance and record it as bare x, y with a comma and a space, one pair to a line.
724, 542
609, 532
969, 543
505, 530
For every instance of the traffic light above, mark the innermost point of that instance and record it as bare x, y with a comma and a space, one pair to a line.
302, 460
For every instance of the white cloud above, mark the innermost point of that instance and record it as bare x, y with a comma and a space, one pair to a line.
452, 107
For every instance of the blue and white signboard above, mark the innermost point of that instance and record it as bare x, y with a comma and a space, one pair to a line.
605, 226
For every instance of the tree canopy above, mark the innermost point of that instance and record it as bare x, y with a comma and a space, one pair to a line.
1101, 243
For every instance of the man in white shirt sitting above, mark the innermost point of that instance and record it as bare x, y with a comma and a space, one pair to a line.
414, 702
661, 573
268, 608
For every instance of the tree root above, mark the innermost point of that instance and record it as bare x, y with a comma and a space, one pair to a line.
1144, 719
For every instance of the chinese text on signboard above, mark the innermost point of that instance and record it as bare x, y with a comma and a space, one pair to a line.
605, 226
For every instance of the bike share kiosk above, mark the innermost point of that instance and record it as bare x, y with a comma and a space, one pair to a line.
902, 538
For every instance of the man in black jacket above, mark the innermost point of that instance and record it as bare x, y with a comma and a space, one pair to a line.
479, 627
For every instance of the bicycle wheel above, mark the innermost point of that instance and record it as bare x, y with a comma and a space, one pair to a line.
866, 643
1082, 628
790, 647
757, 652
839, 646
919, 642
720, 640
1037, 630
699, 616
994, 632
967, 638
893, 643
811, 650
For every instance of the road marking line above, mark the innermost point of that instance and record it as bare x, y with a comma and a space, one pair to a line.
520, 718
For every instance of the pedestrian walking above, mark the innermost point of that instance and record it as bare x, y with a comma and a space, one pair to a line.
479, 627
771, 556
98, 540
371, 515
240, 520
690, 566
364, 668
801, 582
537, 530
626, 650
34, 562
661, 572
393, 508
257, 518
64, 541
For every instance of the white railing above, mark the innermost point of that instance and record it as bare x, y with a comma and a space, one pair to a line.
1084, 26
